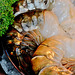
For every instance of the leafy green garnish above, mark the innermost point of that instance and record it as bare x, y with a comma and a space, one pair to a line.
6, 15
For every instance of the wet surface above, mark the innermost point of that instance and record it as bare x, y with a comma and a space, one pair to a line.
6, 68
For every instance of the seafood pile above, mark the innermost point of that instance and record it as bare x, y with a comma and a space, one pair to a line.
24, 38
54, 53
42, 38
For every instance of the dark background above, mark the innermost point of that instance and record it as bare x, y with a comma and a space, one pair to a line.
1, 53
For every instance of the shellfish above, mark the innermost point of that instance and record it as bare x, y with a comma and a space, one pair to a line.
24, 38
31, 27
27, 5
50, 58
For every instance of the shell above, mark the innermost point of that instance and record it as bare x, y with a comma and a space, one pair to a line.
54, 70
27, 5
24, 38
21, 47
47, 59
69, 63
28, 21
